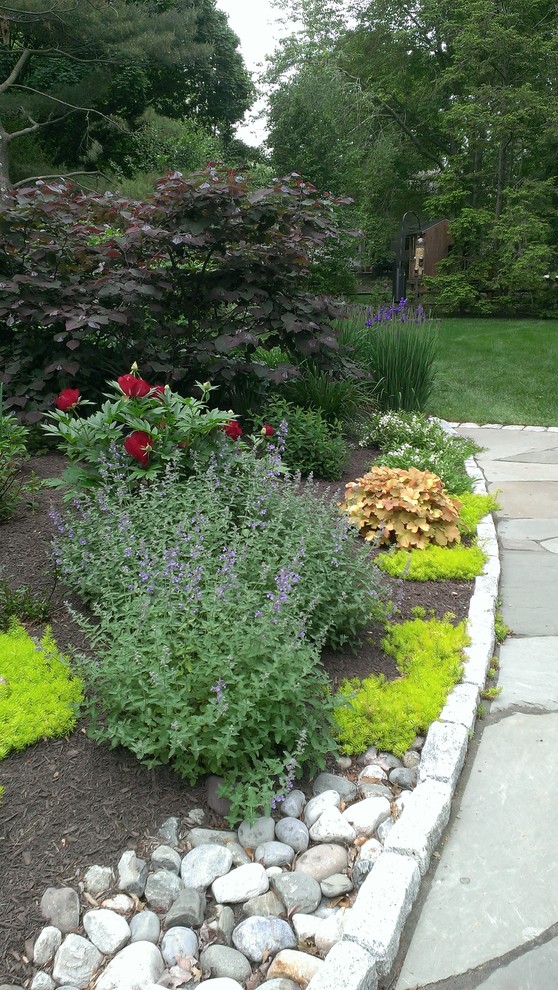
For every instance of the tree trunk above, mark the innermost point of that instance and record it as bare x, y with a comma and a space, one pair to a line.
5, 184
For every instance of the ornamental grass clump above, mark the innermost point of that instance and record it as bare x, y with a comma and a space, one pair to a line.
213, 596
409, 508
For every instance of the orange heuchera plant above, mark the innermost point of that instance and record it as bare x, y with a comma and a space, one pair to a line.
407, 507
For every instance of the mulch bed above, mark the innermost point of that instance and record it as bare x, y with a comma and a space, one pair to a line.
71, 803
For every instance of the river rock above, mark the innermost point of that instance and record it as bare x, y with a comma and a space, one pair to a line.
60, 906
219, 983
241, 884
135, 966
404, 778
388, 761
332, 827
221, 805
375, 790
46, 945
239, 855
317, 805
222, 922
165, 858
297, 966
264, 906
255, 937
76, 961
360, 871
293, 805
42, 981
322, 861
170, 831
334, 782
98, 879
145, 927
132, 873
187, 910
204, 864
213, 836
252, 835
107, 930
274, 854
366, 815
384, 829
331, 931
162, 889
370, 850
222, 961
298, 892
177, 943
120, 902
336, 885
372, 774
280, 984
293, 833
305, 926
368, 756
410, 759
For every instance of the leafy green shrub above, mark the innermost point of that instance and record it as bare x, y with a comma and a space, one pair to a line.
408, 508
149, 424
13, 450
473, 508
39, 695
21, 604
313, 445
389, 714
213, 597
397, 346
434, 563
336, 398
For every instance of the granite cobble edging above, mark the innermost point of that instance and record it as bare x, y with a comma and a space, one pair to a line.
370, 942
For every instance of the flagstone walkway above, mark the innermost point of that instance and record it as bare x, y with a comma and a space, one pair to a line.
487, 913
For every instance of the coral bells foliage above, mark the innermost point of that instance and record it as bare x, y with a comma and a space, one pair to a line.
68, 398
408, 507
198, 276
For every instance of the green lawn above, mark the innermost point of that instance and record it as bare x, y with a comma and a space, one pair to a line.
497, 371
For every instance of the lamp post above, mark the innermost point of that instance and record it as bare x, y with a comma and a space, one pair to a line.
400, 273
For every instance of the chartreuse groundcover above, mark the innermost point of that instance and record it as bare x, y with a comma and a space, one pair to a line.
39, 694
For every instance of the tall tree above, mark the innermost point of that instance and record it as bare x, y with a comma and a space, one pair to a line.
84, 72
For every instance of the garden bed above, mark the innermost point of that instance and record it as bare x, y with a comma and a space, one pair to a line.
70, 803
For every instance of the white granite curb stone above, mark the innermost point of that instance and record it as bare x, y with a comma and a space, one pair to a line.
371, 939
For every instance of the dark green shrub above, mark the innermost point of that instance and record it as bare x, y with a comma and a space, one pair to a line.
312, 445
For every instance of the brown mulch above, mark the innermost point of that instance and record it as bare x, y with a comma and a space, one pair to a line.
71, 803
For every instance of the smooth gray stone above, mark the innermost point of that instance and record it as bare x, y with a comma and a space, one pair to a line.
293, 833
240, 884
145, 927
42, 981
375, 790
222, 922
361, 869
201, 836
335, 782
336, 885
98, 879
323, 861
60, 906
166, 858
279, 983
132, 873
108, 930
297, 891
255, 936
187, 910
293, 805
264, 906
140, 963
76, 961
169, 833
220, 805
253, 835
239, 856
274, 854
162, 889
202, 865
47, 943
404, 778
178, 942
368, 756
317, 805
223, 962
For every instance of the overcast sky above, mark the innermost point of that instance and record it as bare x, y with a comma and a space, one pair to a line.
256, 24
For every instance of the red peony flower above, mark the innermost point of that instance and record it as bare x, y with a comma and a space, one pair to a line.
67, 399
138, 445
134, 387
158, 391
232, 429
267, 430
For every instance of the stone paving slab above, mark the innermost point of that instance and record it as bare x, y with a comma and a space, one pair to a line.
499, 444
527, 499
535, 970
504, 470
497, 880
528, 675
534, 456
526, 534
528, 592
